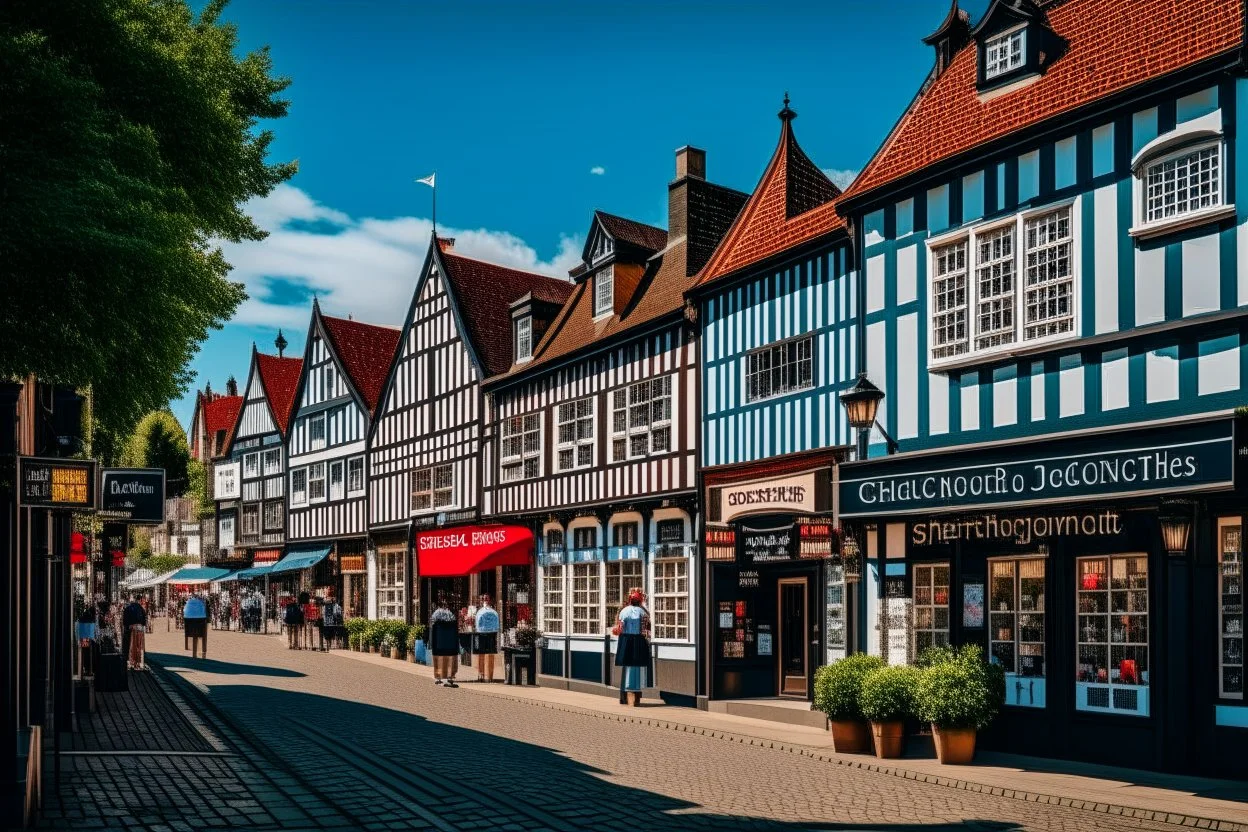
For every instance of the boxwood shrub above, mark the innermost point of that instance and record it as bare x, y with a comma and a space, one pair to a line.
839, 685
888, 693
960, 690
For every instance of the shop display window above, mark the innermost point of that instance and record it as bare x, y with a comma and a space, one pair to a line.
931, 606
1112, 634
1231, 607
390, 590
1016, 625
623, 576
586, 599
552, 599
836, 613
670, 605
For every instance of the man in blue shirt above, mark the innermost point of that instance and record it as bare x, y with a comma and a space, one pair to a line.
485, 641
195, 625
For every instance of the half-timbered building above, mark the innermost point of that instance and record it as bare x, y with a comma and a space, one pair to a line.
425, 462
344, 368
1055, 301
778, 316
595, 436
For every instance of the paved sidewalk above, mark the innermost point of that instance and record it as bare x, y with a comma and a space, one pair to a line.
1196, 802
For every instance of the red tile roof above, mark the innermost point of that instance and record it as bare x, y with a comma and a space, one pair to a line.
649, 237
1111, 45
221, 413
485, 292
366, 352
280, 377
793, 203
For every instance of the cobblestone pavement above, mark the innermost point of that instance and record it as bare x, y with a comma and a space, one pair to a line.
392, 751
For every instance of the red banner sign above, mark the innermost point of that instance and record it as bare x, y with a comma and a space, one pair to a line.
467, 549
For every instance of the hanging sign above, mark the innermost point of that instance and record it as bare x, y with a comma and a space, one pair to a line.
794, 494
1167, 460
134, 495
766, 545
56, 483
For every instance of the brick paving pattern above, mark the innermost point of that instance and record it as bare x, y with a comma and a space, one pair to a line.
392, 751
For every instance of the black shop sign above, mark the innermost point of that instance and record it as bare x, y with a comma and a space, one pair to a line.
133, 495
56, 483
773, 545
1168, 460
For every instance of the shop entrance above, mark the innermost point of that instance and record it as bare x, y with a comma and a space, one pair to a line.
794, 650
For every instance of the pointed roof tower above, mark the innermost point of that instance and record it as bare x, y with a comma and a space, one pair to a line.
793, 203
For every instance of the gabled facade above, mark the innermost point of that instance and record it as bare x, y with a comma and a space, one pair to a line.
1054, 241
425, 460
594, 437
777, 310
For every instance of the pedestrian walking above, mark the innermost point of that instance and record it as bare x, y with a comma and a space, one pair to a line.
443, 643
485, 641
129, 616
195, 625
632, 654
311, 621
292, 617
134, 619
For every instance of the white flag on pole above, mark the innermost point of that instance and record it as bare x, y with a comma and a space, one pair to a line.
428, 180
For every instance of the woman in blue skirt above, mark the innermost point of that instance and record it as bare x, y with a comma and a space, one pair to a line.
632, 654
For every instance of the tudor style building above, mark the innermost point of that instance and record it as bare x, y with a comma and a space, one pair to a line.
777, 308
1055, 303
344, 367
425, 462
595, 437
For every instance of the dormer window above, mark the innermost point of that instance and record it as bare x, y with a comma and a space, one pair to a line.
604, 291
1005, 52
524, 338
1180, 179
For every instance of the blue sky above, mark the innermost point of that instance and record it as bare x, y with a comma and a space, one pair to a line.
533, 115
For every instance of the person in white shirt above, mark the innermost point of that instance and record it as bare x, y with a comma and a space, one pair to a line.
485, 640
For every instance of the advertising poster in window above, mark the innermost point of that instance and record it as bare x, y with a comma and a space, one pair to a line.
973, 605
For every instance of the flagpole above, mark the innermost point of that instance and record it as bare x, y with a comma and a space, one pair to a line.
435, 208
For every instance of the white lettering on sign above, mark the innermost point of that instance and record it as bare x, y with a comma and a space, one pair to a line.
115, 487
796, 494
1022, 530
457, 540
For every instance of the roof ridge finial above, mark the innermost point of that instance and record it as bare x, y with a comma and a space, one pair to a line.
787, 114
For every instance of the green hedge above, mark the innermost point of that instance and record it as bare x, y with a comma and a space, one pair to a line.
838, 686
959, 689
888, 693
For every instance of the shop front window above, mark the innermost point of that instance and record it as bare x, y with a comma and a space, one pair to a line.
586, 599
623, 576
1112, 635
390, 589
1231, 607
836, 613
1016, 628
552, 599
931, 606
670, 608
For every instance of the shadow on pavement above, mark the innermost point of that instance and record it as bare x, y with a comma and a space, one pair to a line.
186, 662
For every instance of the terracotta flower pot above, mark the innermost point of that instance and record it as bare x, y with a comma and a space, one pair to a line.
850, 737
954, 746
889, 739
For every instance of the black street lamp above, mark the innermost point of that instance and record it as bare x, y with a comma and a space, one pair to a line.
862, 402
1175, 517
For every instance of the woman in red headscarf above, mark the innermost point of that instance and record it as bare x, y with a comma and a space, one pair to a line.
632, 653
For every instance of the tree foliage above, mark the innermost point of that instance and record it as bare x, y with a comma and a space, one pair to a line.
160, 564
197, 488
158, 441
128, 145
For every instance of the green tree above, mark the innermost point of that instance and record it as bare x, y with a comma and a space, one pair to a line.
158, 441
197, 488
129, 145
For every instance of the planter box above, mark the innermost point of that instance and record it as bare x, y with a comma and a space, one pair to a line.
889, 739
850, 737
954, 746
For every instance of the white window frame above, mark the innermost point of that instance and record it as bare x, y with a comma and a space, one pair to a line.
337, 479
251, 465
923, 576
652, 425
328, 382
438, 497
604, 291
299, 496
623, 576
276, 467
577, 442
1020, 689
314, 443
586, 607
524, 338
317, 473
670, 606
970, 235
1112, 620
1149, 159
224, 540
772, 351
554, 596
253, 510
356, 462
279, 513
1230, 614
1004, 61
516, 466
391, 586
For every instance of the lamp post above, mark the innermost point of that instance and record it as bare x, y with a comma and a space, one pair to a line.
862, 403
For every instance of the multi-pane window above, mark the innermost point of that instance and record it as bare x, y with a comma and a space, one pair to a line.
604, 291
316, 431
1004, 53
931, 606
575, 445
586, 599
670, 609
327, 382
225, 531
554, 540
1183, 184
521, 458
779, 369
274, 516
586, 537
355, 475
994, 275
433, 487
316, 481
623, 576
273, 461
251, 520
1016, 626
1050, 277
390, 589
624, 534
949, 300
251, 465
1111, 634
552, 599
836, 623
298, 486
524, 338
641, 419
670, 531
336, 480
1231, 607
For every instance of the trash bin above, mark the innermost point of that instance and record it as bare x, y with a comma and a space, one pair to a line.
519, 668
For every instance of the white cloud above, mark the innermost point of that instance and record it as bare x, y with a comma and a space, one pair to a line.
366, 267
840, 178
598, 170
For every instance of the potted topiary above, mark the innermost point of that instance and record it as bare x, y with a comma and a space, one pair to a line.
416, 643
837, 690
958, 693
355, 632
398, 636
887, 700
374, 635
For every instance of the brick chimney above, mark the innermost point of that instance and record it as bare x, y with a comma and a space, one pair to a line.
690, 165
446, 243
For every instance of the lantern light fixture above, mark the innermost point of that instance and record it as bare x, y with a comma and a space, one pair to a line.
1175, 518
